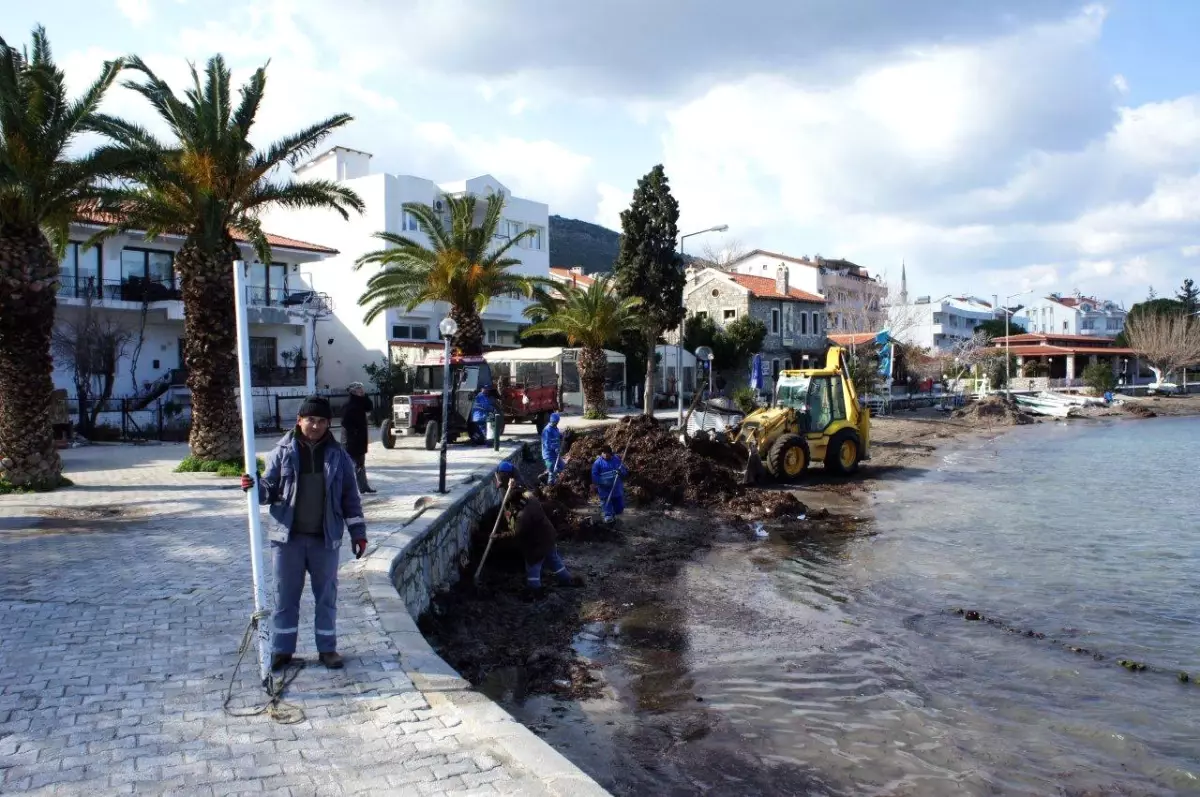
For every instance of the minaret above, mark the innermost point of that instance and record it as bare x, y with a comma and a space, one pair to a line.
903, 284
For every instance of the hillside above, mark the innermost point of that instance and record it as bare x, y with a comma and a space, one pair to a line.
580, 243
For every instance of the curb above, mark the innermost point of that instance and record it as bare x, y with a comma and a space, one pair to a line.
440, 684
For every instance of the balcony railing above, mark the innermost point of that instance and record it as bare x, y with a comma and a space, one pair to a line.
133, 289
260, 376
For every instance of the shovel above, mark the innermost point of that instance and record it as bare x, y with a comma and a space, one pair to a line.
495, 528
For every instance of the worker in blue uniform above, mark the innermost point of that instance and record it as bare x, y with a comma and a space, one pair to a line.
552, 448
535, 534
477, 428
311, 487
608, 480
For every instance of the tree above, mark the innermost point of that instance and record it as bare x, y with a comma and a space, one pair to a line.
1189, 296
994, 328
206, 185
722, 257
40, 187
746, 335
590, 318
1150, 307
91, 345
649, 267
1167, 341
460, 267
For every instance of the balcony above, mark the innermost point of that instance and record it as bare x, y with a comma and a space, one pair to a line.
260, 376
133, 289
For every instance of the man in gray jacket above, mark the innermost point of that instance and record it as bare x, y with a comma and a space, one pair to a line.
311, 487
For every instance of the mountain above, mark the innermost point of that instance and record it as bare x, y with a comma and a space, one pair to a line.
580, 243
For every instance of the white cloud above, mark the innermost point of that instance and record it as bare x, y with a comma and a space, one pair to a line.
968, 161
1192, 250
613, 200
136, 11
1120, 84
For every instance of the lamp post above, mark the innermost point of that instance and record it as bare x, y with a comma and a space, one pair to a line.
448, 328
679, 343
1007, 356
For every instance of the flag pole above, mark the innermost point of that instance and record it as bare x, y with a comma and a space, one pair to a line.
246, 400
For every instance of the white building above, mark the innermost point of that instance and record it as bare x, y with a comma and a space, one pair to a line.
1075, 315
854, 300
355, 342
129, 284
940, 323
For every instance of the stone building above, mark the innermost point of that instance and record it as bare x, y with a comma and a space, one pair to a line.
795, 319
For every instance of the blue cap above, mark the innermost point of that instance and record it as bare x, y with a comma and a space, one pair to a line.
505, 467
555, 417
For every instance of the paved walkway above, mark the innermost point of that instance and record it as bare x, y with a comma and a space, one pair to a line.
122, 604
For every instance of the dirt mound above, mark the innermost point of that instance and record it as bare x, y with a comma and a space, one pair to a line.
1138, 410
993, 411
767, 504
660, 467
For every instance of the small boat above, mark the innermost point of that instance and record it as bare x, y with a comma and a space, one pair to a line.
1041, 406
1072, 400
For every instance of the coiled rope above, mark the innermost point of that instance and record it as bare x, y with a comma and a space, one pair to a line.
275, 707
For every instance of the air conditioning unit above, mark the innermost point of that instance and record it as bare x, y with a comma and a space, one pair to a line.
439, 205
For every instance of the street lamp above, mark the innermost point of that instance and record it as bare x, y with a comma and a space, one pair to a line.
1007, 356
679, 346
448, 328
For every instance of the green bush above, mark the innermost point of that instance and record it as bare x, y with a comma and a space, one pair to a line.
1099, 377
6, 488
594, 415
745, 399
228, 467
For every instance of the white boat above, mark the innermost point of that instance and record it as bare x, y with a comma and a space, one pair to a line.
1072, 400
1040, 406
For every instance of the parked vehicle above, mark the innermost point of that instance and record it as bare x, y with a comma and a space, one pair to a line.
420, 413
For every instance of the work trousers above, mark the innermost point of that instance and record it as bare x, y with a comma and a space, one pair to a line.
533, 572
304, 554
554, 466
612, 500
360, 471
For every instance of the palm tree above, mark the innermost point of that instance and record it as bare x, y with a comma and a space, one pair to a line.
206, 185
40, 186
460, 267
590, 318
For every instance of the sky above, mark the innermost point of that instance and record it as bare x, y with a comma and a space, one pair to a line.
991, 147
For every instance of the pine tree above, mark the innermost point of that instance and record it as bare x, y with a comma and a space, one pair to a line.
1189, 296
648, 266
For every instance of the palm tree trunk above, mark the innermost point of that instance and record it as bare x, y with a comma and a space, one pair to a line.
648, 398
592, 364
28, 299
469, 338
209, 350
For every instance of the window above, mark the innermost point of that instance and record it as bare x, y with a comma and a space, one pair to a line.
787, 364
774, 322
1065, 326
409, 222
816, 323
79, 271
508, 229
729, 315
149, 265
262, 353
535, 241
268, 283
774, 369
715, 293
804, 323
410, 331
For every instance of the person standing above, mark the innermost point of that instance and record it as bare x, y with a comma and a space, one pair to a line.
608, 480
477, 427
356, 434
552, 448
310, 485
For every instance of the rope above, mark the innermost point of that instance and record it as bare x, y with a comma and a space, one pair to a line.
275, 707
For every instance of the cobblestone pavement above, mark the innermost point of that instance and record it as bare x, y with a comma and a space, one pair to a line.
122, 604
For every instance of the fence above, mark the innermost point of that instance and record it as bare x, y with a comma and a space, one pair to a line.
130, 419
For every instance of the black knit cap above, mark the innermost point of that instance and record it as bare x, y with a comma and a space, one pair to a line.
316, 407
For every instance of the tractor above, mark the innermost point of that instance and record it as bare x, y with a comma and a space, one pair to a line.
815, 416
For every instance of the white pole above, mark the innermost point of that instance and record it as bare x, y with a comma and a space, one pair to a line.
246, 398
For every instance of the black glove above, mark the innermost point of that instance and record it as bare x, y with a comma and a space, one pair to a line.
359, 547
247, 482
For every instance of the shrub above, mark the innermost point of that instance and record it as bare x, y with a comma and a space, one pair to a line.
1100, 378
745, 399
228, 467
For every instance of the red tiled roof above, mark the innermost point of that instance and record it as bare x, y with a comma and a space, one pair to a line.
1030, 337
764, 288
1051, 351
853, 339
567, 275
95, 217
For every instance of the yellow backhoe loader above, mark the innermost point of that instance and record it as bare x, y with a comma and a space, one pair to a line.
815, 416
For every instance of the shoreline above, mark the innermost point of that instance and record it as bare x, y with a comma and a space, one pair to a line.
537, 659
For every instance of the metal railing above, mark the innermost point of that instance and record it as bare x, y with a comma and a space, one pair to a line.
133, 289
